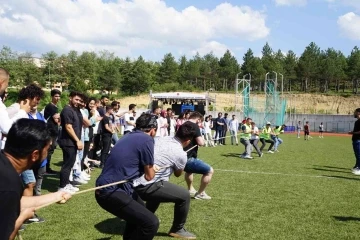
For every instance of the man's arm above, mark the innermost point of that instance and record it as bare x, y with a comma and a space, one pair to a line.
108, 128
149, 172
178, 172
69, 129
37, 201
25, 214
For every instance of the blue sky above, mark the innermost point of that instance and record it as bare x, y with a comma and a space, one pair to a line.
152, 28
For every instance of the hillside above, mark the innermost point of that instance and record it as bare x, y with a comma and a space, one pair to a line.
298, 103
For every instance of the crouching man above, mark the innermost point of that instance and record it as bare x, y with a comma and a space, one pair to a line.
169, 157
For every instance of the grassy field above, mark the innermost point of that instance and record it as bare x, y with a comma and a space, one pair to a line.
306, 191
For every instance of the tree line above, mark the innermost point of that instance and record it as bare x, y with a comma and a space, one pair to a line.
315, 70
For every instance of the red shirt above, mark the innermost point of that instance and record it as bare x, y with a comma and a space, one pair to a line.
306, 128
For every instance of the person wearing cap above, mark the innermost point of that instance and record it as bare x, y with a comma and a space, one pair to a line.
265, 137
131, 157
275, 137
245, 139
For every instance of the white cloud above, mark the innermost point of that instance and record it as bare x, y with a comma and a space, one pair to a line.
290, 2
217, 48
349, 25
355, 4
124, 26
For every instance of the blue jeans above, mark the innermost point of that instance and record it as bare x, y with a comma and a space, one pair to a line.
115, 138
277, 141
195, 165
356, 147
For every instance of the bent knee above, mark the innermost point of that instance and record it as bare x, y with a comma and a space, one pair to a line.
211, 172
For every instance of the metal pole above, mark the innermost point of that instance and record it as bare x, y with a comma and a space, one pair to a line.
282, 85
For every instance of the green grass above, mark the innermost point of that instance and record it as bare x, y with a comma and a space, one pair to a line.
286, 195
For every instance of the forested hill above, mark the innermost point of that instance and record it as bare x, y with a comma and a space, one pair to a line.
315, 70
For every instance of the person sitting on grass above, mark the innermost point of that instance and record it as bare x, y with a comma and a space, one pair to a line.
27, 145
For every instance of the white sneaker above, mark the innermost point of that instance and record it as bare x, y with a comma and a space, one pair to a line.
356, 171
248, 157
270, 151
192, 193
202, 196
85, 176
66, 189
80, 180
276, 150
74, 189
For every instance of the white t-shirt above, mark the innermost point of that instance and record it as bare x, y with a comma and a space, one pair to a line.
172, 125
253, 136
96, 127
234, 125
169, 155
207, 127
129, 118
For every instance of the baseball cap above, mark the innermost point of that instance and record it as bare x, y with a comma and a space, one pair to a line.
268, 123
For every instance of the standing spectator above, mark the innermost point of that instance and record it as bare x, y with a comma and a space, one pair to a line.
106, 135
129, 119
5, 120
233, 127
104, 100
172, 124
70, 139
226, 127
163, 124
51, 108
321, 130
356, 142
298, 128
207, 128
180, 121
169, 112
219, 129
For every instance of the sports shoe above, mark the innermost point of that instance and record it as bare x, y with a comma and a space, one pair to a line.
356, 171
276, 150
66, 189
80, 180
202, 196
35, 219
248, 157
270, 151
84, 176
262, 154
192, 193
73, 188
182, 233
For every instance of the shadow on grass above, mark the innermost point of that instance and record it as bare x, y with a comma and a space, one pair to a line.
50, 183
330, 170
115, 226
231, 155
331, 167
341, 177
346, 219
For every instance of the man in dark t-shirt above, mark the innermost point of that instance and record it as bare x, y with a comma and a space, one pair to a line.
131, 157
356, 141
195, 165
23, 141
106, 134
70, 139
51, 114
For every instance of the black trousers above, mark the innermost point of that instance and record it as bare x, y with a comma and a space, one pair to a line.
224, 135
69, 158
106, 141
141, 224
97, 144
164, 192
50, 153
263, 143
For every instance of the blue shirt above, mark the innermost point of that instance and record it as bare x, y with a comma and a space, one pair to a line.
39, 116
126, 161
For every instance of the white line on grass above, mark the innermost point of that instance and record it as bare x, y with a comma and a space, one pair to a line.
273, 173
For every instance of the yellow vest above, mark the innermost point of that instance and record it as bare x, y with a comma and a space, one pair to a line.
266, 133
247, 134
